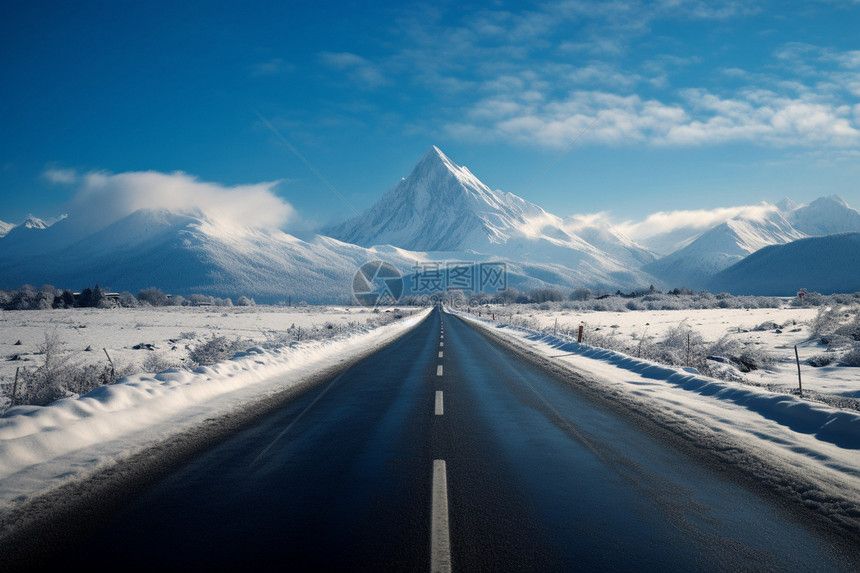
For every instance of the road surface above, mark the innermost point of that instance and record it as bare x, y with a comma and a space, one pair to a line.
444, 452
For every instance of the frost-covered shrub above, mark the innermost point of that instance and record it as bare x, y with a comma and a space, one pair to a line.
852, 357
825, 322
852, 327
46, 383
837, 342
727, 346
58, 377
127, 300
29, 298
218, 348
755, 357
820, 360
580, 294
155, 362
152, 296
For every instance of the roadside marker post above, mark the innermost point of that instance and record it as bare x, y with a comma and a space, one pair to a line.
799, 383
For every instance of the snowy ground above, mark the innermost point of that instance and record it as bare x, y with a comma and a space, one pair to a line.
797, 445
170, 331
44, 447
712, 324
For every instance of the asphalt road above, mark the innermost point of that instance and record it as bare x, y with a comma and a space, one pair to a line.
444, 451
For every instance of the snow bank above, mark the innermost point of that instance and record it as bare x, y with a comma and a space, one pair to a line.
42, 446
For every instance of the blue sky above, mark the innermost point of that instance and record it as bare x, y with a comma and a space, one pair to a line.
581, 107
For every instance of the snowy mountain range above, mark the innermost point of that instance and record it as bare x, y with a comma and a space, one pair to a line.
730, 242
30, 222
184, 254
440, 213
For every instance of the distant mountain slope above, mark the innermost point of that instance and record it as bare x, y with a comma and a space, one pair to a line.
183, 254
721, 247
612, 241
667, 243
825, 216
5, 228
36, 235
828, 264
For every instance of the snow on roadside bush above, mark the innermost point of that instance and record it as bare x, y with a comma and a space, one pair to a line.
58, 376
216, 349
680, 345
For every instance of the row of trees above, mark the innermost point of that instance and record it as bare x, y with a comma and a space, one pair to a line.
30, 298
644, 299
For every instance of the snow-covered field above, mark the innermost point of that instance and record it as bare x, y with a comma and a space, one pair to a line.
168, 332
793, 328
42, 447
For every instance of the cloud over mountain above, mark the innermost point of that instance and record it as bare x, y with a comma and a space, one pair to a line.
103, 198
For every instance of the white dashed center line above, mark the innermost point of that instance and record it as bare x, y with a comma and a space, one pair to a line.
439, 404
440, 354
440, 540
439, 370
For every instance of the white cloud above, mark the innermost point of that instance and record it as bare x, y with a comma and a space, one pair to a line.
700, 118
574, 223
273, 67
106, 197
699, 219
61, 176
358, 69
531, 78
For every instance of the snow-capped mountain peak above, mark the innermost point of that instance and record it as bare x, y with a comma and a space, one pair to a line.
442, 206
787, 205
32, 222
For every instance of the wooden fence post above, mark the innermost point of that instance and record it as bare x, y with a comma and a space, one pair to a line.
799, 383
112, 367
15, 384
